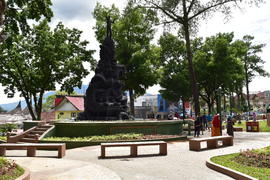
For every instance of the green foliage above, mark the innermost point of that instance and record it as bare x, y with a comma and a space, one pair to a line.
115, 137
8, 127
17, 14
175, 78
217, 67
229, 161
9, 170
35, 62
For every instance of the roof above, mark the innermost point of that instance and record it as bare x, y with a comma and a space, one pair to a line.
78, 102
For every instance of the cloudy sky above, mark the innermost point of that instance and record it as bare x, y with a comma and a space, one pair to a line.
251, 21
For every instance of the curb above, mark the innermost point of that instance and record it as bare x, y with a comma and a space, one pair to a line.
25, 176
227, 171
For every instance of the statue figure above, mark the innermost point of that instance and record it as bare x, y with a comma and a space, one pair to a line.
104, 98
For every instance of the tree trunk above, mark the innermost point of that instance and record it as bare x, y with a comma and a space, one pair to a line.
224, 102
30, 107
131, 96
209, 105
247, 84
184, 109
39, 106
194, 85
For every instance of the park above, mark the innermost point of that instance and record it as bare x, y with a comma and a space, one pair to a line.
205, 122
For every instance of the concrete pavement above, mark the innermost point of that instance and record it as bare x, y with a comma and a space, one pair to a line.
180, 163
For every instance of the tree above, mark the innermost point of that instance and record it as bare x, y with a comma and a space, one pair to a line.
174, 78
248, 52
187, 14
132, 32
216, 68
14, 15
35, 62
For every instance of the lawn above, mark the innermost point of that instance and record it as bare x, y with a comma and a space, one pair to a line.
9, 170
114, 137
254, 163
262, 125
3, 138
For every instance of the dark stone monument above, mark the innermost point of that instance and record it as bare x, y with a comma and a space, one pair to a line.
104, 98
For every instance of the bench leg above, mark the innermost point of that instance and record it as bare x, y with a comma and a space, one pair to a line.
61, 151
194, 146
133, 151
2, 151
102, 152
163, 149
31, 151
212, 144
228, 142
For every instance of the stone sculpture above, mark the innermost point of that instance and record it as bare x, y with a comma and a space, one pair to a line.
104, 98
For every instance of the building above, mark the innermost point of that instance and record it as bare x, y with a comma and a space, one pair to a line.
68, 107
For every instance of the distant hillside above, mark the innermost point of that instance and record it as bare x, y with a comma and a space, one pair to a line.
10, 106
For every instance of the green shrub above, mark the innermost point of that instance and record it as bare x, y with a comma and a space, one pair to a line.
8, 127
113, 137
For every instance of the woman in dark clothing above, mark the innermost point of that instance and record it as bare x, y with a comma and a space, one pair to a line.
197, 126
230, 127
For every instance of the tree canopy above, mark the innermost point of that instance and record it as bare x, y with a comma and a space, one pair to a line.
186, 13
36, 62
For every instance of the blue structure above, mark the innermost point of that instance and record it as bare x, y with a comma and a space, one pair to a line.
162, 104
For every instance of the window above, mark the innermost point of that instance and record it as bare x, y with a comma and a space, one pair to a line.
73, 114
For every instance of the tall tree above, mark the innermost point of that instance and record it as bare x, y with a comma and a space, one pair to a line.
216, 68
249, 52
35, 62
132, 31
14, 15
187, 13
174, 78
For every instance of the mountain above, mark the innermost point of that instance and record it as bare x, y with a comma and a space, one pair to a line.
10, 106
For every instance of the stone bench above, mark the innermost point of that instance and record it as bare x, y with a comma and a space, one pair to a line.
212, 142
238, 129
134, 147
32, 147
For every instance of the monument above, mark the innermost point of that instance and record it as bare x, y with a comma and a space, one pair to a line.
104, 98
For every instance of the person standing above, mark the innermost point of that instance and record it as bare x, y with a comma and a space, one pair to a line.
216, 125
254, 116
197, 126
230, 127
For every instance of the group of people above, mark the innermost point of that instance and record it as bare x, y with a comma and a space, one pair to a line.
212, 124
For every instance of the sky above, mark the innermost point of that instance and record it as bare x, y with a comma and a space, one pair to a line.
252, 21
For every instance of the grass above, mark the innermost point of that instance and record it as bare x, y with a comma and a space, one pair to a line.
9, 170
114, 137
3, 138
262, 125
246, 164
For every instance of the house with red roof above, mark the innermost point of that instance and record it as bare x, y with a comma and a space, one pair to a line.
68, 106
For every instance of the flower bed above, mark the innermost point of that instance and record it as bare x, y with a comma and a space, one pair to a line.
9, 170
255, 163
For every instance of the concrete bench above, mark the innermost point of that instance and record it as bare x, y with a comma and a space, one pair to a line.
238, 129
32, 147
212, 142
134, 147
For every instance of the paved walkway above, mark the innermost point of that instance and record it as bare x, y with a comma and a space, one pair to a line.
180, 163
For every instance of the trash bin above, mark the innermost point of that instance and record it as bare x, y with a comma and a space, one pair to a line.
268, 116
